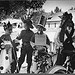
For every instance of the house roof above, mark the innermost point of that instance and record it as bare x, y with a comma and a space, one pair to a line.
55, 17
58, 14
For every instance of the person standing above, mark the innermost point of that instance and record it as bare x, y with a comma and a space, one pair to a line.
26, 35
40, 43
65, 39
7, 37
40, 33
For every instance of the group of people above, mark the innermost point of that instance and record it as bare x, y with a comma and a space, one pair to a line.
28, 37
63, 38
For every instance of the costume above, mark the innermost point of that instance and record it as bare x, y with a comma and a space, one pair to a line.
26, 35
7, 37
39, 26
65, 37
47, 39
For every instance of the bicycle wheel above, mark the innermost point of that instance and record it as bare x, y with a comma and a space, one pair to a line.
57, 70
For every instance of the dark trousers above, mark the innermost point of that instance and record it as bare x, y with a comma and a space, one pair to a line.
62, 57
14, 63
26, 50
67, 47
59, 58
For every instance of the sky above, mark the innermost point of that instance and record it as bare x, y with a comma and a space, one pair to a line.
62, 4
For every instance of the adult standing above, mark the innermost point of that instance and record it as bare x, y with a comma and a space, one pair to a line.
26, 35
40, 34
7, 37
65, 39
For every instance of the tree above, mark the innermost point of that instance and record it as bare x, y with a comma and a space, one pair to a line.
52, 12
71, 8
56, 10
60, 10
20, 6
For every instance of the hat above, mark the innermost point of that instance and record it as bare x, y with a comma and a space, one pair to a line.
7, 26
64, 16
44, 29
29, 22
42, 23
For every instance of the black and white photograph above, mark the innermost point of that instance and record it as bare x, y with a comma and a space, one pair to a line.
37, 36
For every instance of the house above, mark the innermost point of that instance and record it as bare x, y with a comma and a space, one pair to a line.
54, 20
